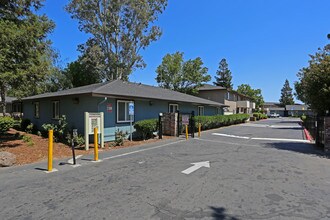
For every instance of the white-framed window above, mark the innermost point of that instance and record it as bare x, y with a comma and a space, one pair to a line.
200, 111
56, 109
36, 109
123, 111
173, 108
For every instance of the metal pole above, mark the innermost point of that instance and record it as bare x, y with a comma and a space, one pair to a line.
130, 128
96, 150
50, 150
73, 153
186, 132
160, 135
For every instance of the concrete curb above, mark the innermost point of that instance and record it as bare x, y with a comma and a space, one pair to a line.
307, 135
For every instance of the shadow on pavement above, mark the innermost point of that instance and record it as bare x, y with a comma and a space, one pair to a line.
289, 128
303, 148
219, 213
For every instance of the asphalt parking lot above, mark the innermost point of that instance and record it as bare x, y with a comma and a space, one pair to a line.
262, 170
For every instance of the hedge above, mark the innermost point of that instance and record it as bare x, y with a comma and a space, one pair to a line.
209, 122
5, 124
260, 116
145, 128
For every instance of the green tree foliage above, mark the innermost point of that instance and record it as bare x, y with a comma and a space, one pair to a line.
286, 94
179, 75
313, 86
120, 30
224, 76
254, 94
25, 53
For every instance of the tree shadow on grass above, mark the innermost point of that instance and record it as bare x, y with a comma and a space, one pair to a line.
304, 148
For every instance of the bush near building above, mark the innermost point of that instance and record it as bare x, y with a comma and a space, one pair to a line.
5, 124
217, 121
145, 128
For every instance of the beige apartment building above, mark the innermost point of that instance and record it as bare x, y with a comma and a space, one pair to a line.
238, 103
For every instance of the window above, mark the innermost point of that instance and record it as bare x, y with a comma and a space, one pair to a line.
228, 96
123, 111
36, 110
56, 110
200, 110
173, 108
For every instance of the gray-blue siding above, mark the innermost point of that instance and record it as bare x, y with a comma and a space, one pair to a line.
144, 109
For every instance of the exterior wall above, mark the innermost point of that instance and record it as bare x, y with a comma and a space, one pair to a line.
232, 107
144, 109
235, 101
296, 107
243, 104
214, 95
74, 112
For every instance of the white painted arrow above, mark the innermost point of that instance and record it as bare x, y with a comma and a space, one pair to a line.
196, 166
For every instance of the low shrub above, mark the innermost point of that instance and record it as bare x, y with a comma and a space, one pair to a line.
303, 118
25, 123
209, 122
28, 140
5, 124
59, 129
79, 140
120, 137
145, 128
260, 116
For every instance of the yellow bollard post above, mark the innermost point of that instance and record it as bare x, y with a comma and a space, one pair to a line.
96, 147
50, 150
186, 132
199, 129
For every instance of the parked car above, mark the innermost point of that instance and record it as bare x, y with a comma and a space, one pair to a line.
274, 115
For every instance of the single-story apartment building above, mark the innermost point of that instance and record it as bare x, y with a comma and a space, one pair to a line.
112, 98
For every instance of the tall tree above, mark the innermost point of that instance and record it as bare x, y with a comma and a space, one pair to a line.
179, 75
224, 76
25, 52
120, 30
313, 86
254, 94
286, 94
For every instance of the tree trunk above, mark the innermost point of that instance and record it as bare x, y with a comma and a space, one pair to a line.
3, 98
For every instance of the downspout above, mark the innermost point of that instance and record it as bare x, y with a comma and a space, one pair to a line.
98, 110
103, 101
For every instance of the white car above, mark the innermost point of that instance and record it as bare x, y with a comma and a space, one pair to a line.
274, 115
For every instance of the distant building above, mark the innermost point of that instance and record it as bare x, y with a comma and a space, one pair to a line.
288, 110
238, 103
9, 102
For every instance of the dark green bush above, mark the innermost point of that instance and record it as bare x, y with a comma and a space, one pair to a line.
5, 124
260, 116
209, 122
145, 128
25, 123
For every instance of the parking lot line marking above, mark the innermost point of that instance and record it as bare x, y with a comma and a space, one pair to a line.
258, 138
229, 135
282, 139
142, 150
225, 142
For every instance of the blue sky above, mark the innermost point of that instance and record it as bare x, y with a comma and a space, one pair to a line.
264, 41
